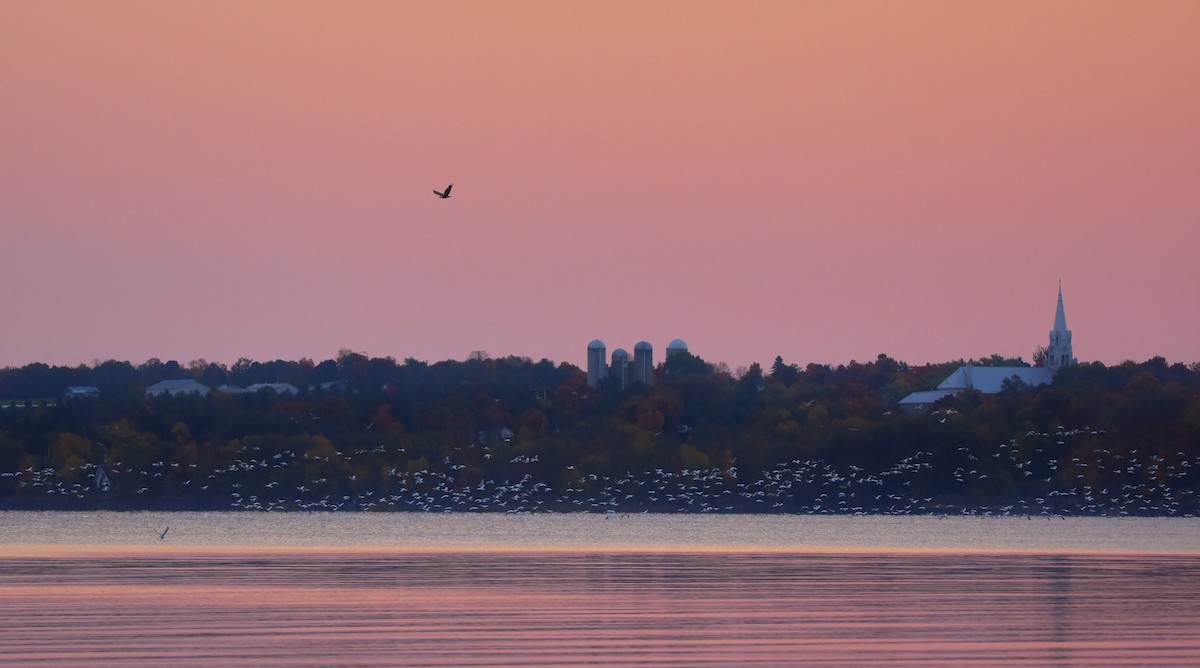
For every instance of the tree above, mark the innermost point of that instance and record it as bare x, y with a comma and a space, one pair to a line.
784, 373
683, 363
12, 455
383, 421
1039, 355
1013, 385
748, 385
213, 375
68, 455
651, 421
999, 360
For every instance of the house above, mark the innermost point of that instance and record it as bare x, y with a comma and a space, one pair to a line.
81, 392
177, 388
991, 379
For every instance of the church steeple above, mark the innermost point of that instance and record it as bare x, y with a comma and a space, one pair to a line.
1060, 318
1060, 353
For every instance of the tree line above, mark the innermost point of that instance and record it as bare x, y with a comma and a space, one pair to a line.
385, 425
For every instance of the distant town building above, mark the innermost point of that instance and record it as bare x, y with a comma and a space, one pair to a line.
620, 367
597, 362
177, 388
81, 392
676, 346
991, 379
643, 363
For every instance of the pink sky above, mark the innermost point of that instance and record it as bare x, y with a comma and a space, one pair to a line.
824, 181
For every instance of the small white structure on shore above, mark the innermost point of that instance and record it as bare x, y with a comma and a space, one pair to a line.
103, 482
81, 392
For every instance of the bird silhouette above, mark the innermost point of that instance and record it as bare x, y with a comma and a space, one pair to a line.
446, 194
163, 534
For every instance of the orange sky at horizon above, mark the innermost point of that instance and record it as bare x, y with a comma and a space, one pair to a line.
823, 181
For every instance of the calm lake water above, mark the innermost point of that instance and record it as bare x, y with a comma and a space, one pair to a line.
270, 589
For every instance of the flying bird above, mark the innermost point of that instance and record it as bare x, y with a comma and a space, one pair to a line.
445, 194
163, 534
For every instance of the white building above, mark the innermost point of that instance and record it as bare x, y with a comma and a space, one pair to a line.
990, 379
81, 392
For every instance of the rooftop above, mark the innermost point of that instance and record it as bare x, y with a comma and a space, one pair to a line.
990, 379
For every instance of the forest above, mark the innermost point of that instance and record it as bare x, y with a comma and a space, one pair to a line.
513, 435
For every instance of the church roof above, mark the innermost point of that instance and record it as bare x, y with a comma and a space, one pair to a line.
986, 379
1060, 316
990, 379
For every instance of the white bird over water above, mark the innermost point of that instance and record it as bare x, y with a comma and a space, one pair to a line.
444, 195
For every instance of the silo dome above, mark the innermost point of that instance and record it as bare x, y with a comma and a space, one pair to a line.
620, 353
642, 345
596, 344
677, 344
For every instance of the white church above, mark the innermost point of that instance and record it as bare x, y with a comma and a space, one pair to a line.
990, 379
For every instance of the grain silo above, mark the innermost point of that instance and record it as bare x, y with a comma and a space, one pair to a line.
643, 363
597, 363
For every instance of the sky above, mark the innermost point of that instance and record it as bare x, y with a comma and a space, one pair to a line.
821, 181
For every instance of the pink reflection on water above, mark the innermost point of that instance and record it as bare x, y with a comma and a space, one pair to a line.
496, 608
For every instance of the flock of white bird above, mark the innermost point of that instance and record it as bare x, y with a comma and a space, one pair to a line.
1039, 474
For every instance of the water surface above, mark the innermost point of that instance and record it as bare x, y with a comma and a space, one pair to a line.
574, 590
592, 532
